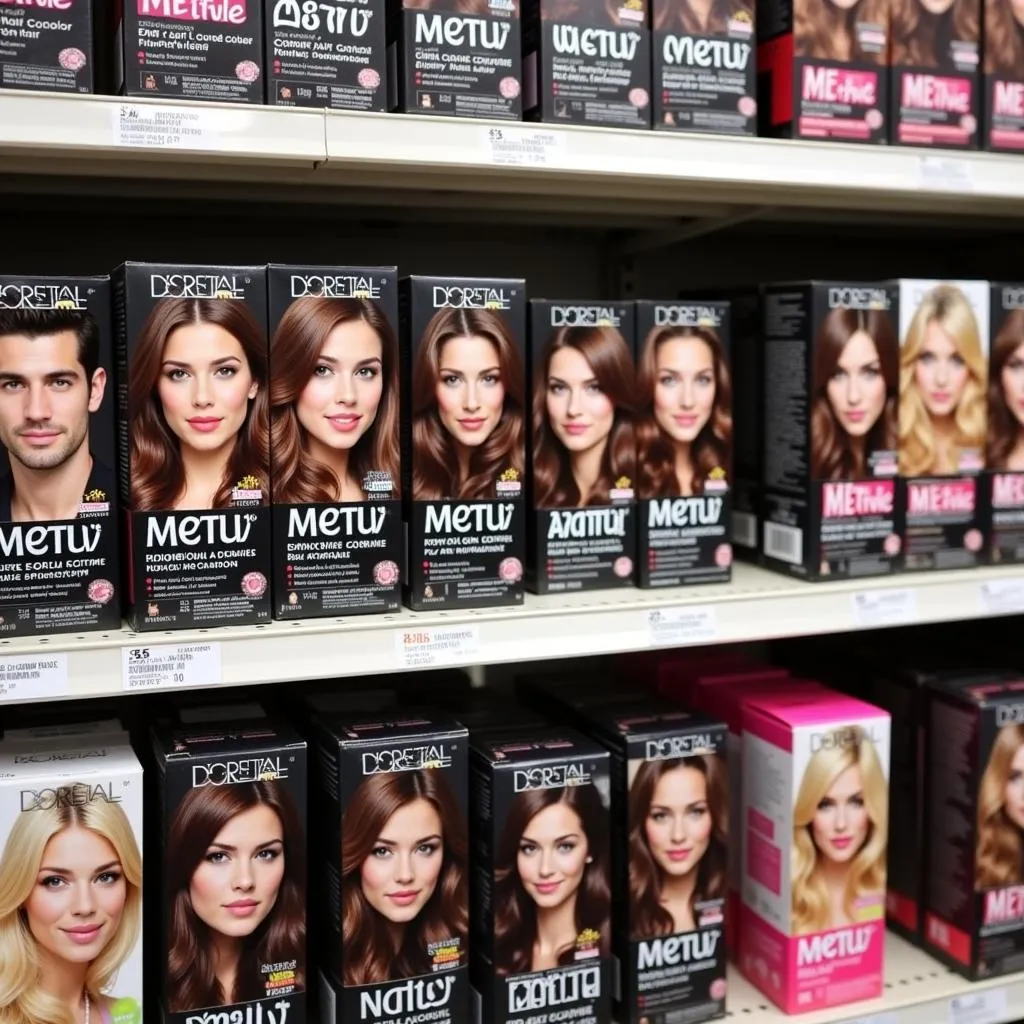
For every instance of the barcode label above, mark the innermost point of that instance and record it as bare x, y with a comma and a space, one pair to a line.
744, 529
785, 543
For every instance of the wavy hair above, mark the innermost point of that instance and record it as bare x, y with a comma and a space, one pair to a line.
819, 25
1004, 41
515, 913
1004, 428
680, 17
922, 39
851, 747
655, 452
157, 471
369, 953
1000, 847
295, 351
191, 975
947, 306
648, 916
435, 460
608, 356
23, 999
833, 457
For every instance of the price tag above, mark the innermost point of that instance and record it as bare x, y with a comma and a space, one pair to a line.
884, 607
177, 665
1002, 597
165, 126
523, 147
672, 627
985, 1007
27, 677
945, 174
875, 1018
429, 647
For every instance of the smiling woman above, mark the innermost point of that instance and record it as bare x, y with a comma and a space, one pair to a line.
1000, 854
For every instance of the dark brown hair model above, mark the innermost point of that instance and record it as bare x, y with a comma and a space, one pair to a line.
832, 455
157, 473
435, 462
712, 447
825, 31
295, 351
922, 39
1004, 429
191, 975
648, 916
370, 956
679, 16
1004, 41
515, 913
607, 354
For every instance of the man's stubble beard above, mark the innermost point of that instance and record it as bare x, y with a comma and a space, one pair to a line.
48, 460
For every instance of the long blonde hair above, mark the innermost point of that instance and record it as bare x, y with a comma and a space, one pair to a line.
22, 999
845, 747
1000, 844
948, 306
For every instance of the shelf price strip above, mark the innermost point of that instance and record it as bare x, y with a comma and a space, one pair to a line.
673, 627
886, 606
171, 665
987, 1006
435, 646
33, 677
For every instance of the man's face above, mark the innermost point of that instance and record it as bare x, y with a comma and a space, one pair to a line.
45, 398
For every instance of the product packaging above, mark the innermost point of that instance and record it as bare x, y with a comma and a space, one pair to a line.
541, 813
944, 343
587, 62
58, 506
1003, 102
464, 435
816, 803
748, 421
334, 440
326, 54
48, 46
832, 500
234, 867
684, 442
582, 520
193, 385
191, 50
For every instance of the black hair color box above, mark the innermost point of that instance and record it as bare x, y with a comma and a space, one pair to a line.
48, 46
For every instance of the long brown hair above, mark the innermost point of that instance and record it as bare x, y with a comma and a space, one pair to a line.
369, 952
712, 447
435, 469
1004, 40
157, 473
1000, 847
515, 913
191, 975
922, 39
820, 24
607, 354
648, 916
679, 17
295, 351
832, 455
1003, 427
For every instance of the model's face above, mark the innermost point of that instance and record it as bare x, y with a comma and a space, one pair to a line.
678, 825
580, 413
940, 372
937, 6
236, 884
45, 398
552, 856
684, 388
470, 391
856, 389
1017, 7
339, 404
1013, 798
401, 872
1012, 379
205, 386
840, 825
78, 898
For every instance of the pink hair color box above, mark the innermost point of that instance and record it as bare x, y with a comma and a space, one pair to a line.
815, 824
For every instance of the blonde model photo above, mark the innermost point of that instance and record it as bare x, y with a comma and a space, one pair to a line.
1001, 812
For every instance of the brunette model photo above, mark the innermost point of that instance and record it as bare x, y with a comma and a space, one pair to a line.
70, 913
856, 393
840, 831
197, 407
702, 17
1005, 449
50, 385
583, 412
923, 31
1004, 38
467, 394
236, 890
832, 29
1000, 853
404, 878
678, 842
684, 428
334, 403
943, 380
552, 888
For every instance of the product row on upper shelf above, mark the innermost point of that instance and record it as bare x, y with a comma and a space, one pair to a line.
912, 72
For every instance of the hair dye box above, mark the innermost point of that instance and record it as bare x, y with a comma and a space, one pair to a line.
1003, 102
195, 443
395, 780
464, 438
48, 46
587, 62
326, 55
234, 866
683, 442
747, 351
582, 521
936, 81
541, 841
334, 440
944, 343
58, 504
816, 800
